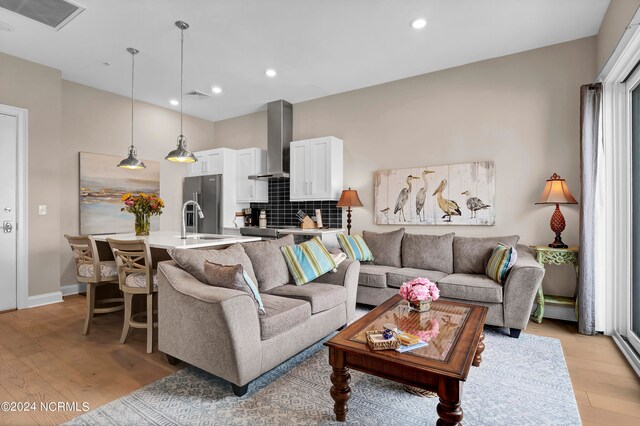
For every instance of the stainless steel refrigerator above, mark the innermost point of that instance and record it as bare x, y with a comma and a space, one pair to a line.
207, 192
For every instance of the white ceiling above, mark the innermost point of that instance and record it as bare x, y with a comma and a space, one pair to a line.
318, 47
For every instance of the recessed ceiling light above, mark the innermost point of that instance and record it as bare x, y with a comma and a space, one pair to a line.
216, 89
419, 23
6, 27
174, 102
271, 72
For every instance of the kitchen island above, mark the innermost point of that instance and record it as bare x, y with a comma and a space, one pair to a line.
171, 239
159, 242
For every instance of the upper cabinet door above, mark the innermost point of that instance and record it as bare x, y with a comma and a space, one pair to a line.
299, 164
251, 161
316, 169
214, 162
197, 168
320, 169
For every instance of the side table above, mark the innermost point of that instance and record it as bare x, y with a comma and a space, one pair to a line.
555, 256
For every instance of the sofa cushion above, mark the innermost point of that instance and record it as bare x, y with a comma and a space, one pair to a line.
321, 296
192, 260
386, 247
471, 287
470, 255
431, 252
308, 261
398, 276
282, 314
233, 277
268, 262
374, 275
355, 247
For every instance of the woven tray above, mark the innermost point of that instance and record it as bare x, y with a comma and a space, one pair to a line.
378, 343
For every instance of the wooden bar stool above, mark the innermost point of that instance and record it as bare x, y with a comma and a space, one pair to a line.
94, 273
136, 276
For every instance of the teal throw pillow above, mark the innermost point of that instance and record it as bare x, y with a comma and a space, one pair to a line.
307, 261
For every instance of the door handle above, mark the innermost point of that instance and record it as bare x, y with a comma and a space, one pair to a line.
7, 226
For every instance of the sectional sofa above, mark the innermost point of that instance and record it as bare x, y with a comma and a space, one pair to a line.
457, 265
220, 330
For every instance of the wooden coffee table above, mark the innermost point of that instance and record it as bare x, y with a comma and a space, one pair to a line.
441, 367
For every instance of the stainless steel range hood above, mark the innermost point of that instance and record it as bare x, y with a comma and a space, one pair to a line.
279, 136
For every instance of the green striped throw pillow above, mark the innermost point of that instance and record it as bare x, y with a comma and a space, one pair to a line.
355, 248
498, 265
307, 261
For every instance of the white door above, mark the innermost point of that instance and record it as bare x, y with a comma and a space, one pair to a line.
8, 247
320, 169
298, 175
246, 166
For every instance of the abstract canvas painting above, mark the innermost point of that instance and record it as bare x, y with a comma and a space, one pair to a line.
101, 186
457, 194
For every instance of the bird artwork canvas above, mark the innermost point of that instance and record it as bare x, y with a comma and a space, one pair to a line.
457, 194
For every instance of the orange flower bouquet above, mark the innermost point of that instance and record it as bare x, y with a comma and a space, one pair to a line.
143, 206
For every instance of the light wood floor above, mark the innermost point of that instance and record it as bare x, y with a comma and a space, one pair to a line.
44, 357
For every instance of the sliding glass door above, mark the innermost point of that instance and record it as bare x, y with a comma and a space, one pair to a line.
633, 307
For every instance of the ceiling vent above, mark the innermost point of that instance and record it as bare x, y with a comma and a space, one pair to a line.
53, 13
195, 93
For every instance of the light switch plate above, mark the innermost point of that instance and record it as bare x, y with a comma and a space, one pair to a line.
42, 209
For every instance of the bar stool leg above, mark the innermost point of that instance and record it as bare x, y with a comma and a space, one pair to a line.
91, 303
128, 299
149, 323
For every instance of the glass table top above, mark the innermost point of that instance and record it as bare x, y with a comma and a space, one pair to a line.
439, 327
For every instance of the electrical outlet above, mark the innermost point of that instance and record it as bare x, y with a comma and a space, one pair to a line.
42, 209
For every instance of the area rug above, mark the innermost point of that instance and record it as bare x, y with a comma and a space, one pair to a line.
521, 381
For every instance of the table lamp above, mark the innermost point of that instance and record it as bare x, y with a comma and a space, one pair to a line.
348, 199
556, 192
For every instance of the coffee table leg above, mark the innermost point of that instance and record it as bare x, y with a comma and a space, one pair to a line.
477, 359
340, 378
449, 409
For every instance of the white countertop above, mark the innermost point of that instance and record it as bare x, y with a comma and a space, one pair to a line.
171, 239
319, 231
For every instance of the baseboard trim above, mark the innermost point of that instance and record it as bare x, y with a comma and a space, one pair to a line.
71, 289
564, 313
44, 299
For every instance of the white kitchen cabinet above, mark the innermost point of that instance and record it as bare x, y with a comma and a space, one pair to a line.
197, 168
316, 169
210, 162
251, 161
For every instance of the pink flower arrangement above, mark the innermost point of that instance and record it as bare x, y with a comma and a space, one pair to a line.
419, 289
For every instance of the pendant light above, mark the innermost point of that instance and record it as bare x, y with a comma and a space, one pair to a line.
132, 162
181, 154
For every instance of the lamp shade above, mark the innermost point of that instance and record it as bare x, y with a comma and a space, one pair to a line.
556, 191
181, 154
349, 198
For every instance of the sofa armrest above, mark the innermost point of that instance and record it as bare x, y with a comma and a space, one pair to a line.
520, 289
347, 276
216, 329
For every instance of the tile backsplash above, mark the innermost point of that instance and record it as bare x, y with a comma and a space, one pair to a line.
282, 212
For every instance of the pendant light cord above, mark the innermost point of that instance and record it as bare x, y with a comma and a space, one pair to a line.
133, 65
181, 73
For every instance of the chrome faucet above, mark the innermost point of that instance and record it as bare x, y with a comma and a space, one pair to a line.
183, 233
